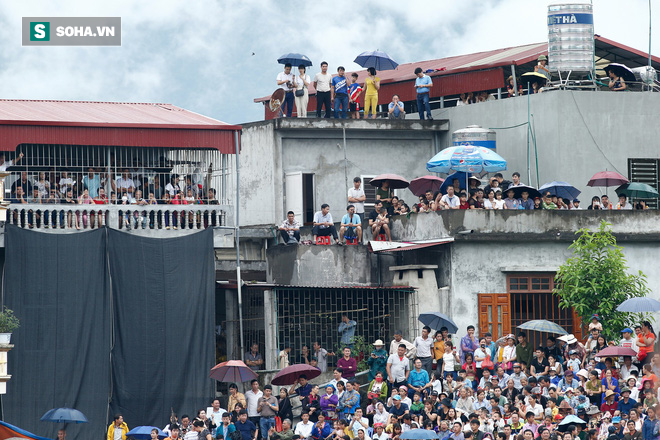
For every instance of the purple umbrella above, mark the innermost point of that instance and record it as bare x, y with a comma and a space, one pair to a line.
615, 350
232, 371
292, 373
420, 185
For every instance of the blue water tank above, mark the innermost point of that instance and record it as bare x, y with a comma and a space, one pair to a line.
474, 135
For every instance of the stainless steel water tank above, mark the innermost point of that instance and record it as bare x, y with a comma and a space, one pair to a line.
474, 135
570, 37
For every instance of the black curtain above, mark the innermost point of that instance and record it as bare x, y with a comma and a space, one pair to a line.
57, 285
163, 296
110, 323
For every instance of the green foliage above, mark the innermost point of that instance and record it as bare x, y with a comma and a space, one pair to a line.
595, 280
8, 321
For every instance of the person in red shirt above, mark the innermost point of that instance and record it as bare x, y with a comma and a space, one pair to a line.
101, 199
464, 203
645, 341
609, 404
348, 364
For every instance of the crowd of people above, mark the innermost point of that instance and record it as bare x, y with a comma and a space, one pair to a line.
98, 187
472, 387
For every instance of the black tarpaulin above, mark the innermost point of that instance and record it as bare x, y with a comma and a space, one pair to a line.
57, 285
163, 295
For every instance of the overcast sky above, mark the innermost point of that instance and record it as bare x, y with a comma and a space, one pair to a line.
215, 56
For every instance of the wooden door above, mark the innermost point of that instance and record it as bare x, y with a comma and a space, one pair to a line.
495, 314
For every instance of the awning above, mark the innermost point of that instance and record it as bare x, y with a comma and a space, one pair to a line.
395, 246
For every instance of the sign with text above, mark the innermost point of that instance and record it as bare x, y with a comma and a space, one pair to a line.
71, 31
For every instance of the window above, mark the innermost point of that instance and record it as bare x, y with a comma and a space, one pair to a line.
370, 193
645, 171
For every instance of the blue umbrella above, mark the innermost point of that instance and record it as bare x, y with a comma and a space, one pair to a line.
541, 325
419, 434
560, 189
437, 320
144, 433
376, 59
295, 59
466, 158
639, 305
64, 415
462, 179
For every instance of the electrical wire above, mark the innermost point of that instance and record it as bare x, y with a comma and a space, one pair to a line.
506, 128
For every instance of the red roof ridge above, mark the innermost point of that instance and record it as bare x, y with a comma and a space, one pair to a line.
64, 101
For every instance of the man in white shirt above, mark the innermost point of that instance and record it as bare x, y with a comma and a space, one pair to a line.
424, 346
358, 422
323, 224
398, 367
623, 203
304, 427
214, 412
628, 340
411, 351
10, 163
516, 180
290, 228
173, 187
322, 82
450, 200
252, 398
125, 182
356, 197
286, 81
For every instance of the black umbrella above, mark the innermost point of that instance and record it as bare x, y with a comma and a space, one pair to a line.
518, 190
622, 71
533, 77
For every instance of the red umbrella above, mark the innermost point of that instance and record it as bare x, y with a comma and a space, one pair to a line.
232, 371
607, 178
395, 181
615, 350
420, 185
290, 374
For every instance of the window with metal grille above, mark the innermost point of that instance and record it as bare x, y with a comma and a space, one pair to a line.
645, 171
370, 194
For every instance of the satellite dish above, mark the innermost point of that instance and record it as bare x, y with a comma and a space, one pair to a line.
276, 100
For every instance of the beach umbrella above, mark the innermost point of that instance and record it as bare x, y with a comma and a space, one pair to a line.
466, 158
420, 185
437, 320
639, 305
64, 415
541, 325
232, 371
615, 350
290, 375
295, 59
607, 179
637, 190
622, 71
560, 189
377, 59
395, 180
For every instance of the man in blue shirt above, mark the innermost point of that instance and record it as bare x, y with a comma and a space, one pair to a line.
626, 403
395, 109
418, 379
339, 93
423, 85
247, 429
351, 225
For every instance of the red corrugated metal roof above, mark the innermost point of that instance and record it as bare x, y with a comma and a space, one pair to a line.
111, 124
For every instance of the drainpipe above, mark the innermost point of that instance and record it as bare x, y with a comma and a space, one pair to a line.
515, 81
238, 248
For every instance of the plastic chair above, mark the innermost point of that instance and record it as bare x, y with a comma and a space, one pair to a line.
323, 240
381, 237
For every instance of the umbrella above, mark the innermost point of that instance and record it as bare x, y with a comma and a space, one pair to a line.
419, 434
639, 305
376, 59
395, 181
437, 320
462, 177
615, 350
290, 374
64, 415
8, 431
607, 178
533, 77
144, 433
570, 420
560, 189
420, 185
295, 59
622, 71
232, 371
541, 325
467, 158
637, 190
518, 190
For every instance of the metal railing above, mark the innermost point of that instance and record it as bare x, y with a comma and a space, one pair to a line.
123, 217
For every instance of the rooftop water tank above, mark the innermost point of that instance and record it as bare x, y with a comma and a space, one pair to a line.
474, 135
571, 38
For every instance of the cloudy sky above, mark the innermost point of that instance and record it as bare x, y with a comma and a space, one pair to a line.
215, 56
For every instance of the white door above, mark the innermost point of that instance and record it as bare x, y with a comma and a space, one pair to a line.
293, 197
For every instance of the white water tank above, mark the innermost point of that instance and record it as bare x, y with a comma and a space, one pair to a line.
571, 37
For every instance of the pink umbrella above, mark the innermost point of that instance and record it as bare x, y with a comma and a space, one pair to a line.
615, 350
232, 371
607, 178
420, 185
290, 374
395, 181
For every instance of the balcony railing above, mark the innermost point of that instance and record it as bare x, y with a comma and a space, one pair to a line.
58, 217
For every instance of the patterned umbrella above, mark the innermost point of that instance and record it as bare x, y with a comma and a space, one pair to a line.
639, 305
467, 158
232, 371
541, 325
606, 179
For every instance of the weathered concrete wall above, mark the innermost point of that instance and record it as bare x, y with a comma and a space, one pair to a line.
578, 133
